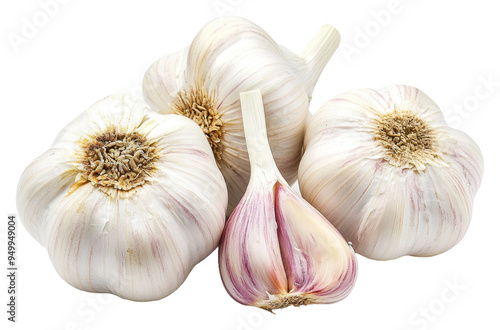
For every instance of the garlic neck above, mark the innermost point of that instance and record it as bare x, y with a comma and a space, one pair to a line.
317, 54
254, 123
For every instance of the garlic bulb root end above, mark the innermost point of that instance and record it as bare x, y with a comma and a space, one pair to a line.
199, 105
284, 300
115, 161
409, 141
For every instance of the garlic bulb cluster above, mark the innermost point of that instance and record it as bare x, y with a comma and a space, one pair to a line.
276, 249
389, 174
232, 55
126, 201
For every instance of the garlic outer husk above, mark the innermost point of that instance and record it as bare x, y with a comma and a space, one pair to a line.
390, 175
276, 249
137, 236
232, 55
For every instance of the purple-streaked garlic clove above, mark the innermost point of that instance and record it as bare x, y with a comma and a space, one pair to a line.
276, 249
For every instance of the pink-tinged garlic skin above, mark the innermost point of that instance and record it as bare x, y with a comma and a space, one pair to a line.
388, 208
249, 251
318, 261
276, 249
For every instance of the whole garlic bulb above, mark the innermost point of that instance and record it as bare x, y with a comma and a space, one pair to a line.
232, 55
276, 249
387, 171
126, 201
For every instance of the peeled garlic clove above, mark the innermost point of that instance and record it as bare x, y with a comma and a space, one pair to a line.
126, 201
228, 56
276, 249
389, 174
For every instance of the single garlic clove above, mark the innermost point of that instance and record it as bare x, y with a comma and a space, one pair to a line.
232, 55
249, 252
126, 201
320, 265
387, 171
276, 249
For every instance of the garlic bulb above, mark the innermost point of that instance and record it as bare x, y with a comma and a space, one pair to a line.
276, 249
232, 55
390, 175
126, 201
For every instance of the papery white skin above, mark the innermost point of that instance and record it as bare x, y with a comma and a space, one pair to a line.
276, 249
141, 247
232, 55
384, 210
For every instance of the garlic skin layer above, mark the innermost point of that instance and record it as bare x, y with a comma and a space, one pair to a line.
126, 201
390, 175
232, 55
276, 249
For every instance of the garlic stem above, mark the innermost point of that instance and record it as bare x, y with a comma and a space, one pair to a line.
317, 54
254, 124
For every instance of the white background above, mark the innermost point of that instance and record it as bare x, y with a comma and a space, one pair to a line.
90, 49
